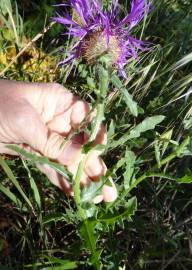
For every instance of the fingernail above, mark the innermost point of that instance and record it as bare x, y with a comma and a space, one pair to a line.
79, 111
71, 153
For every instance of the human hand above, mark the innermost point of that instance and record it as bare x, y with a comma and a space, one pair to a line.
39, 116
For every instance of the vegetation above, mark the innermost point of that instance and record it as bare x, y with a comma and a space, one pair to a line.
149, 121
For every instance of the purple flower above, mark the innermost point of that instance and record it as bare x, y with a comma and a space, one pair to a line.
98, 31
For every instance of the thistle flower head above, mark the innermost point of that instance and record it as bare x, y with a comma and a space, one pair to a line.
98, 31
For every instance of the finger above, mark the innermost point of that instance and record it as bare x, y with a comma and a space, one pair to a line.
85, 180
24, 125
79, 111
61, 123
95, 167
49, 99
108, 194
68, 154
101, 137
70, 119
56, 178
52, 99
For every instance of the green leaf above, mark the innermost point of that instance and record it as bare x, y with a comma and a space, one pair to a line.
161, 145
89, 146
179, 152
66, 265
103, 81
33, 186
89, 192
53, 218
14, 181
131, 207
87, 234
187, 179
182, 62
91, 83
57, 264
43, 160
166, 139
187, 123
130, 162
111, 130
157, 152
12, 197
131, 104
148, 124
96, 257
120, 163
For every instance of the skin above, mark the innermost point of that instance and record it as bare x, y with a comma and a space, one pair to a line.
38, 117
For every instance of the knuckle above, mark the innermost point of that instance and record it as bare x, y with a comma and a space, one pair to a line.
23, 116
54, 146
58, 87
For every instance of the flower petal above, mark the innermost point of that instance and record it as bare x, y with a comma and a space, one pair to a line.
64, 21
94, 19
139, 8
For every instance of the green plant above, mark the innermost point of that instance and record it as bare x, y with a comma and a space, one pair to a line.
148, 155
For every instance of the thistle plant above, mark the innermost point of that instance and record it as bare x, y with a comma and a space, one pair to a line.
130, 85
103, 39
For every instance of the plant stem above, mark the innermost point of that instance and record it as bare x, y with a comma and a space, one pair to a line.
175, 154
98, 121
103, 75
143, 177
103, 86
77, 190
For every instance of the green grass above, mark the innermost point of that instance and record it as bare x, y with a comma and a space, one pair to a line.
148, 154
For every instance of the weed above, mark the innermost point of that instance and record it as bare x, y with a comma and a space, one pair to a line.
148, 154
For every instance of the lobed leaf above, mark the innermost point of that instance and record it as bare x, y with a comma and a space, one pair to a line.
148, 123
131, 104
128, 174
187, 179
131, 207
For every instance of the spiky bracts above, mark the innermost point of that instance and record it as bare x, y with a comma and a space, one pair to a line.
98, 32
